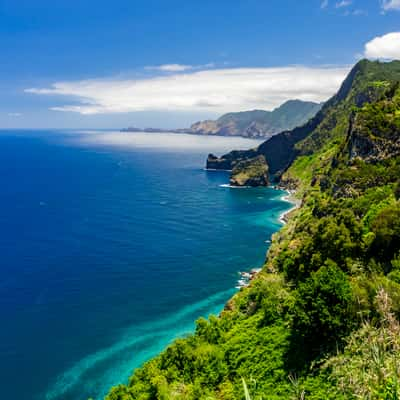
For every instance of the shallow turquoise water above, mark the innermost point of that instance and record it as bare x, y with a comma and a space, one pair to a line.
112, 245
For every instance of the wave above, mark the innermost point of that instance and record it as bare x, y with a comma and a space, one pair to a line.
227, 185
215, 169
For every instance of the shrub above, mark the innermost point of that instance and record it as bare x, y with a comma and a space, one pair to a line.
386, 227
322, 310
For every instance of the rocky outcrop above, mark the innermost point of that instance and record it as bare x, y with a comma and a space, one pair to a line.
364, 147
362, 86
251, 172
228, 161
373, 149
207, 127
256, 130
372, 145
279, 151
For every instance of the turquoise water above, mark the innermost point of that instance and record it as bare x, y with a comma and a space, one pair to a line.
112, 246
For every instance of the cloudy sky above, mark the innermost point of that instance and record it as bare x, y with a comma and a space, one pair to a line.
102, 64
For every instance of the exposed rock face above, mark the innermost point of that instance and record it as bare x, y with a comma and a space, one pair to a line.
207, 127
251, 172
372, 146
362, 86
279, 150
257, 130
228, 161
363, 147
259, 123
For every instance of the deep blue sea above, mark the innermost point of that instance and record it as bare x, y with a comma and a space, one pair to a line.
111, 246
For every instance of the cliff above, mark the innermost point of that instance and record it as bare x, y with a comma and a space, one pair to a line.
251, 172
374, 132
363, 85
321, 321
259, 123
252, 124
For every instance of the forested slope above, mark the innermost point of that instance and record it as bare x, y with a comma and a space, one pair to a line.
321, 319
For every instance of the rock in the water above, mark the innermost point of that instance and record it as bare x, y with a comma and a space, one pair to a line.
251, 172
228, 161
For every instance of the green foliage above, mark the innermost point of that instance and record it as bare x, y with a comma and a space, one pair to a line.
369, 366
246, 390
320, 232
289, 115
397, 190
381, 119
211, 363
250, 172
386, 228
275, 300
322, 312
322, 323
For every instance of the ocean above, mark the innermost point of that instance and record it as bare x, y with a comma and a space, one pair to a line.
112, 245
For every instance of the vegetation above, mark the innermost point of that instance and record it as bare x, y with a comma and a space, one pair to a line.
252, 172
321, 321
259, 123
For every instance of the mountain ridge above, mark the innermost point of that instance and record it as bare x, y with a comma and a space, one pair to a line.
259, 123
253, 124
281, 149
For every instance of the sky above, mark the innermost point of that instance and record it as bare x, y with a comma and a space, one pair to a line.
166, 64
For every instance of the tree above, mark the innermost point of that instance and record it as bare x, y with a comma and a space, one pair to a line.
386, 227
322, 310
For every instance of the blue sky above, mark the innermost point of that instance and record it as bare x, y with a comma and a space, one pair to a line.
168, 63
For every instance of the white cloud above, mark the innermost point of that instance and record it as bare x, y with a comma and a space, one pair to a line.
171, 67
324, 4
359, 12
218, 90
384, 47
388, 5
343, 3
14, 114
356, 13
178, 67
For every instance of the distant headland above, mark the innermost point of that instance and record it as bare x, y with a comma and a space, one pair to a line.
254, 124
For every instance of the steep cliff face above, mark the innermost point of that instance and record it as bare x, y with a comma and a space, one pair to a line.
259, 123
279, 150
206, 127
229, 161
310, 324
365, 84
251, 172
372, 149
374, 133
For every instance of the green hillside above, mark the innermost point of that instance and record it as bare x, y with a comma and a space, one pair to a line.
321, 321
259, 123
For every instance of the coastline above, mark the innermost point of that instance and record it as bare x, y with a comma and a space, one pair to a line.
215, 169
289, 197
227, 185
247, 276
185, 131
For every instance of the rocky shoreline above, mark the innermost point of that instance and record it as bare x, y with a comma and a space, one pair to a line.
290, 198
